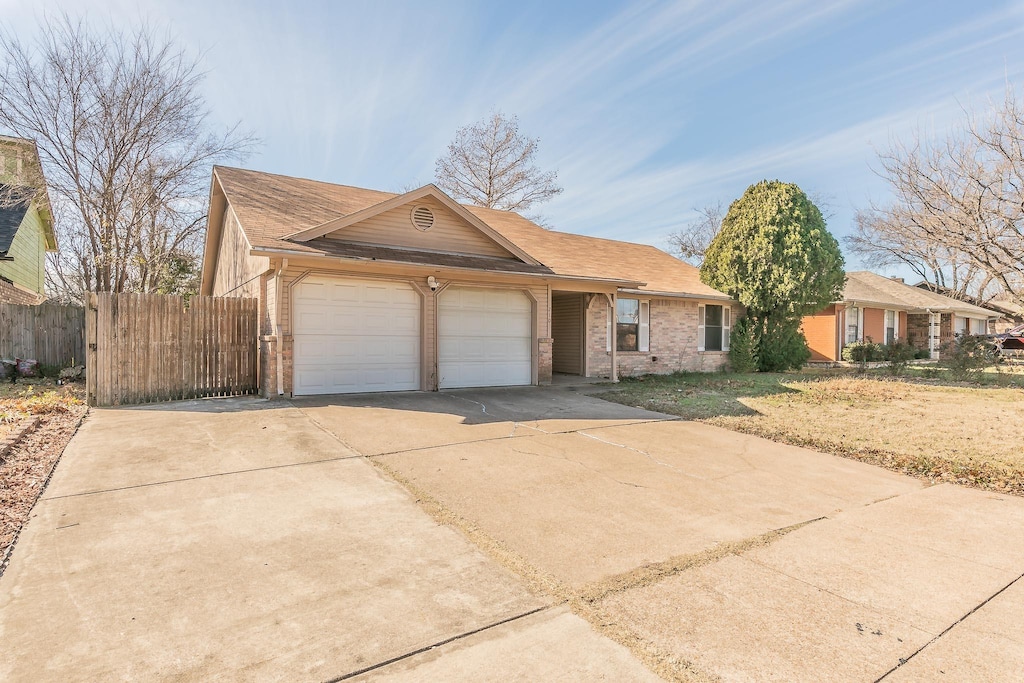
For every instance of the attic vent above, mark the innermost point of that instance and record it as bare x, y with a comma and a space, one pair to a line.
422, 218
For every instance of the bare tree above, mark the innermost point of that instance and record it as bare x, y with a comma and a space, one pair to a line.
957, 217
490, 164
123, 134
692, 240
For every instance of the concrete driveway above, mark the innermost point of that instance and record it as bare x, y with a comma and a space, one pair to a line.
519, 534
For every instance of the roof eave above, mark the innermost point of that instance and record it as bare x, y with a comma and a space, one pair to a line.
681, 295
277, 253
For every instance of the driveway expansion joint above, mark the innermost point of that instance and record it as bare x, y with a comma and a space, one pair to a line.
904, 660
440, 643
201, 476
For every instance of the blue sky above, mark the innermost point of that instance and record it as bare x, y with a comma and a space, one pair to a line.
647, 110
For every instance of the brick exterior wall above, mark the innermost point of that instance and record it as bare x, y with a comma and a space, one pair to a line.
820, 330
673, 341
599, 359
917, 331
544, 360
13, 294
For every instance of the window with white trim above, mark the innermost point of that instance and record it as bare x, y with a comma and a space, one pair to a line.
961, 325
713, 327
890, 327
852, 324
633, 325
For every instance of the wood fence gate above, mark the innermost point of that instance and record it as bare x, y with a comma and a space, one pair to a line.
52, 335
144, 348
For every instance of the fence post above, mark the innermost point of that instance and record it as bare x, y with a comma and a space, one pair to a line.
90, 348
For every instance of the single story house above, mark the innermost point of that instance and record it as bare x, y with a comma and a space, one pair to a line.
882, 309
362, 290
1010, 314
26, 223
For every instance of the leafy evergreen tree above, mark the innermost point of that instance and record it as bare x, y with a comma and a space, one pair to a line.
775, 256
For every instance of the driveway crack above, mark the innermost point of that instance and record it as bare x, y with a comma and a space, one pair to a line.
643, 453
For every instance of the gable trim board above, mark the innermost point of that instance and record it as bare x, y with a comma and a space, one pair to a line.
483, 314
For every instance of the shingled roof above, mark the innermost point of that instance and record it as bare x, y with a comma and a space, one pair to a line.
271, 207
870, 288
14, 204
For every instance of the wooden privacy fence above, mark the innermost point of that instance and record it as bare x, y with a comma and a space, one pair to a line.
144, 348
52, 335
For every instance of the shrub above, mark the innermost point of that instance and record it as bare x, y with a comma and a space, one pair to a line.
782, 346
863, 352
967, 355
741, 348
899, 353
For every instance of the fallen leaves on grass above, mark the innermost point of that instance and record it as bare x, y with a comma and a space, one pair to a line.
993, 476
962, 433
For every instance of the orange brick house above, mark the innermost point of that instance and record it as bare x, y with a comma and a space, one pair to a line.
881, 309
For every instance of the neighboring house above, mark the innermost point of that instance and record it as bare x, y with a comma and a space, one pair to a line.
363, 290
26, 224
1010, 314
881, 309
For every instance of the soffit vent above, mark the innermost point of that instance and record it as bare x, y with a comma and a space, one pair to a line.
422, 218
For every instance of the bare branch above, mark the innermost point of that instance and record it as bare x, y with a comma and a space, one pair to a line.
126, 146
957, 217
490, 164
692, 240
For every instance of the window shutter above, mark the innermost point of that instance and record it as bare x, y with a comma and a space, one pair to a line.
700, 327
611, 328
860, 323
645, 326
726, 326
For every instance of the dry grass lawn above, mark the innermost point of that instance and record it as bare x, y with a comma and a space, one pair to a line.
962, 433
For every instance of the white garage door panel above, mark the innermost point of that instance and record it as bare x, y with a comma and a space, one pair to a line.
485, 338
355, 336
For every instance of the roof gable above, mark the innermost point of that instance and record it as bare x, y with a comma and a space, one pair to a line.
390, 223
21, 175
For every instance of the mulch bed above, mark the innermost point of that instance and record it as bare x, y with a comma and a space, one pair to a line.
25, 470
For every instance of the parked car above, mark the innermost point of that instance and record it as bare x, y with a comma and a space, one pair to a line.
1011, 342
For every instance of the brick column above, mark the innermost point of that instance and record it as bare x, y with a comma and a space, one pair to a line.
268, 366
544, 360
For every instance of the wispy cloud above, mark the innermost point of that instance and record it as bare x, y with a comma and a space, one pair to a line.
646, 109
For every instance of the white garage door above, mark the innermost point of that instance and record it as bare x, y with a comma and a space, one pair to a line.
355, 335
485, 338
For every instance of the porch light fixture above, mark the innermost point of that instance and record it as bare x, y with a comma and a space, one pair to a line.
432, 283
